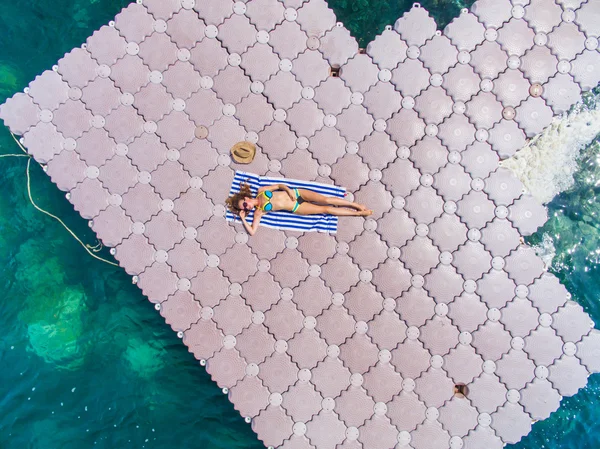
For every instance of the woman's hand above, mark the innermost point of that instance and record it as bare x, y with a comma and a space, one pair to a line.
242, 214
291, 193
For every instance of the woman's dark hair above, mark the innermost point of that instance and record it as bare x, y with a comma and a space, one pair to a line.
233, 200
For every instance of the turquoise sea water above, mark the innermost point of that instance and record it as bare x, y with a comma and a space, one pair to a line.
86, 361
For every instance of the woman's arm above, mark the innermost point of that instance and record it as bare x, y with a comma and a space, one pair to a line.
273, 187
255, 221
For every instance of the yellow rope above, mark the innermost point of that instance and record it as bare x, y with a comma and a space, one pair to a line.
88, 248
19, 144
60, 221
14, 155
95, 248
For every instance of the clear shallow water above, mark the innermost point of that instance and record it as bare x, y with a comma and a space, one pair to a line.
86, 360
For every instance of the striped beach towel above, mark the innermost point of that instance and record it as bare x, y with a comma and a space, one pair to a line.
284, 219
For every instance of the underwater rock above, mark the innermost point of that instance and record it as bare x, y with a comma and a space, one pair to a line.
144, 357
38, 271
55, 327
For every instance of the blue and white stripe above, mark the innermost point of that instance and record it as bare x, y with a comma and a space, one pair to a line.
285, 219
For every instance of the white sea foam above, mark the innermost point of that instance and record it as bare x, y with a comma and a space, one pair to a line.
547, 163
545, 249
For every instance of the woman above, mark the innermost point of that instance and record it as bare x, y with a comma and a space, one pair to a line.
281, 197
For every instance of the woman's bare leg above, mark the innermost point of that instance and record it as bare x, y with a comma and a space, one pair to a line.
313, 209
314, 197
343, 211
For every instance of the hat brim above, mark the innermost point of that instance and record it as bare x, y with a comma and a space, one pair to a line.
248, 147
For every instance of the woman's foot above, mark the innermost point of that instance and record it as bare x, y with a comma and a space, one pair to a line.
359, 207
365, 213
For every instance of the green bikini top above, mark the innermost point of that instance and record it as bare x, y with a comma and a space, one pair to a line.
267, 206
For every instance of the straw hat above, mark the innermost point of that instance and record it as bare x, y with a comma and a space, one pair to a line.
243, 152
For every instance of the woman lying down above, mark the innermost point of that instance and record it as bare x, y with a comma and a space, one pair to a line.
278, 197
